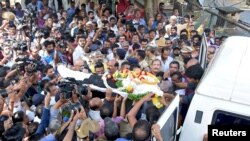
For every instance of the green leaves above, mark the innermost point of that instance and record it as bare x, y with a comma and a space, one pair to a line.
137, 97
118, 83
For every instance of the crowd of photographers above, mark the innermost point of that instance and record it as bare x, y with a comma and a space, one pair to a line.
36, 103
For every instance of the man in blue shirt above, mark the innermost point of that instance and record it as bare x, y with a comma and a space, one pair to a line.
52, 55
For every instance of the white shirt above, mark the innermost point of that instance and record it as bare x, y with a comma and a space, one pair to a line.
165, 66
115, 29
78, 53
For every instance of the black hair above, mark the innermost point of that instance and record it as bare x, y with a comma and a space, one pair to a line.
179, 75
42, 83
165, 49
132, 29
160, 74
194, 31
99, 65
134, 65
32, 127
141, 131
185, 60
18, 116
217, 38
114, 46
45, 70
90, 12
174, 27
107, 9
195, 72
35, 137
125, 63
207, 31
81, 36
144, 40
187, 16
197, 36
140, 27
48, 42
111, 35
152, 114
106, 111
175, 62
222, 37
151, 30
184, 30
136, 46
1, 127
112, 18
48, 85
15, 133
161, 3
116, 64
12, 25
141, 53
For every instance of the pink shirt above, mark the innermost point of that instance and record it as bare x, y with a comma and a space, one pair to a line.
117, 120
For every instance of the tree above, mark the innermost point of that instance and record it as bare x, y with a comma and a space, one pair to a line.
151, 8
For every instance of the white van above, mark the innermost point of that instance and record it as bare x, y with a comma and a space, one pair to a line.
222, 96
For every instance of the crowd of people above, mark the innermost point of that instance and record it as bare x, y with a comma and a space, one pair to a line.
93, 37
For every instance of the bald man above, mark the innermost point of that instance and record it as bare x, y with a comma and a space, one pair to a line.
192, 62
79, 66
95, 104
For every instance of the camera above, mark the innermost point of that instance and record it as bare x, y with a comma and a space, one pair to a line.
75, 106
66, 89
35, 65
70, 84
22, 46
66, 111
4, 93
62, 44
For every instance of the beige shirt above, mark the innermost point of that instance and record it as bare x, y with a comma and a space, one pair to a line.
144, 65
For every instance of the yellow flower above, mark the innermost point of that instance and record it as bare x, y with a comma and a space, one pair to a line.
157, 102
129, 88
124, 75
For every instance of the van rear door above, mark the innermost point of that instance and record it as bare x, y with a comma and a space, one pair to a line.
169, 120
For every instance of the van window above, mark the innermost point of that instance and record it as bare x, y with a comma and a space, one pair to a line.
227, 118
168, 130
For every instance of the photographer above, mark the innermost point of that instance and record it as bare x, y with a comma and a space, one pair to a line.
52, 56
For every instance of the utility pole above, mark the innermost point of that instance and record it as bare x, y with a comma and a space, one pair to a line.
151, 7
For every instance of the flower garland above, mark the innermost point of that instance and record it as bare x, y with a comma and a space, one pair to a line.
136, 84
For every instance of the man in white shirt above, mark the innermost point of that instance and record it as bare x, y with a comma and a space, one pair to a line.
165, 59
79, 50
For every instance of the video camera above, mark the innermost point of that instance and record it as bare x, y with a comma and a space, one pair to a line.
70, 84
21, 46
37, 65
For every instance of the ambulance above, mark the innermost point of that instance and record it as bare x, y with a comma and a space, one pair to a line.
221, 98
